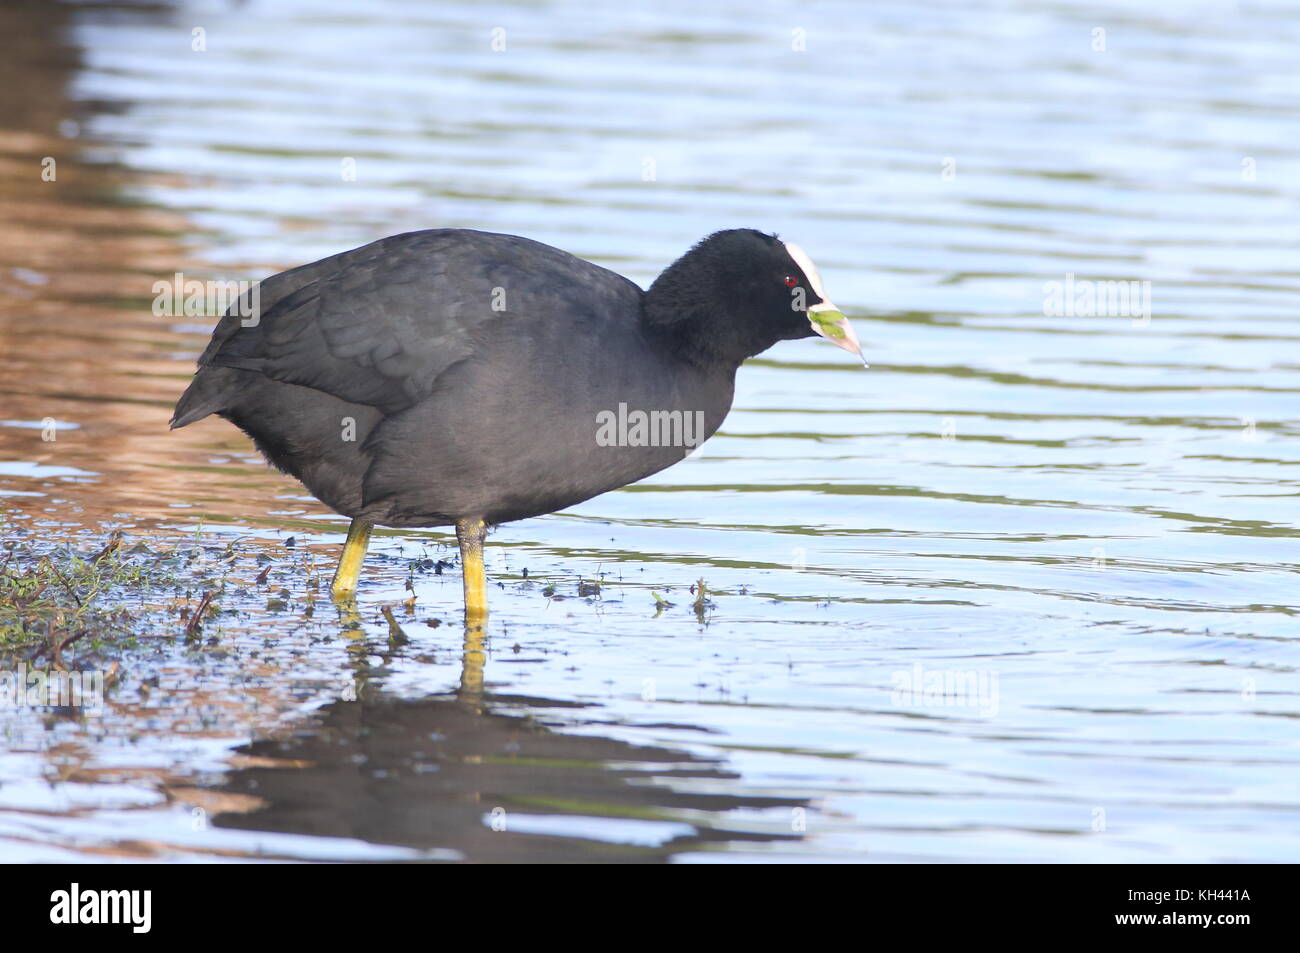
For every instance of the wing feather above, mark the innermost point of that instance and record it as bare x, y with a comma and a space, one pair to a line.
379, 324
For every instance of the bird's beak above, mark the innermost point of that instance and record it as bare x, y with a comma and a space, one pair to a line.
828, 321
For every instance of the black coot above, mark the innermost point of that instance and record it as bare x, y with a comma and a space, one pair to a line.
458, 377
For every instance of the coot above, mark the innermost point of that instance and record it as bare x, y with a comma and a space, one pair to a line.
466, 378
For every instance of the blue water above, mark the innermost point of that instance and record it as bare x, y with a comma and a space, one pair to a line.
1082, 524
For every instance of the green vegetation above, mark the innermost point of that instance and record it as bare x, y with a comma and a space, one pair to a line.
55, 600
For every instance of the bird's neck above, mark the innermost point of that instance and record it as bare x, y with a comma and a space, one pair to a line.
696, 331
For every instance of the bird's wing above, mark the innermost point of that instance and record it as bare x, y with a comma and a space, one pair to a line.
379, 324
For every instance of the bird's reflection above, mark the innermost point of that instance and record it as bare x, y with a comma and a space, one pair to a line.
488, 777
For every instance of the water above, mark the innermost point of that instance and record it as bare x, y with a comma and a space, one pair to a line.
1082, 524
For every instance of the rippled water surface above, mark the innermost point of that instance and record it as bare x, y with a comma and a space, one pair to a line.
1082, 525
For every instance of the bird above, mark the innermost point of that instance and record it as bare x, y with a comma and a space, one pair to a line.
466, 378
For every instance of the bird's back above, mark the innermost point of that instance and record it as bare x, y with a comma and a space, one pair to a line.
377, 325
435, 374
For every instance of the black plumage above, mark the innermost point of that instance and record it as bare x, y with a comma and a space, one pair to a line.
449, 375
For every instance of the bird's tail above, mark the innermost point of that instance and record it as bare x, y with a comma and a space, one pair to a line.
208, 393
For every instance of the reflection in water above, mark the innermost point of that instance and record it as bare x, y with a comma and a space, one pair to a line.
79, 344
487, 777
1097, 512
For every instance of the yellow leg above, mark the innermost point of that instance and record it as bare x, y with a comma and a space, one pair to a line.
473, 658
471, 534
344, 588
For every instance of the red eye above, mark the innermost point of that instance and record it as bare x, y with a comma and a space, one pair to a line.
791, 281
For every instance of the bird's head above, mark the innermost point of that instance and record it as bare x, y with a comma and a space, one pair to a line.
739, 291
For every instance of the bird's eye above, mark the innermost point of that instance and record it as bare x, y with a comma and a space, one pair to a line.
791, 281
